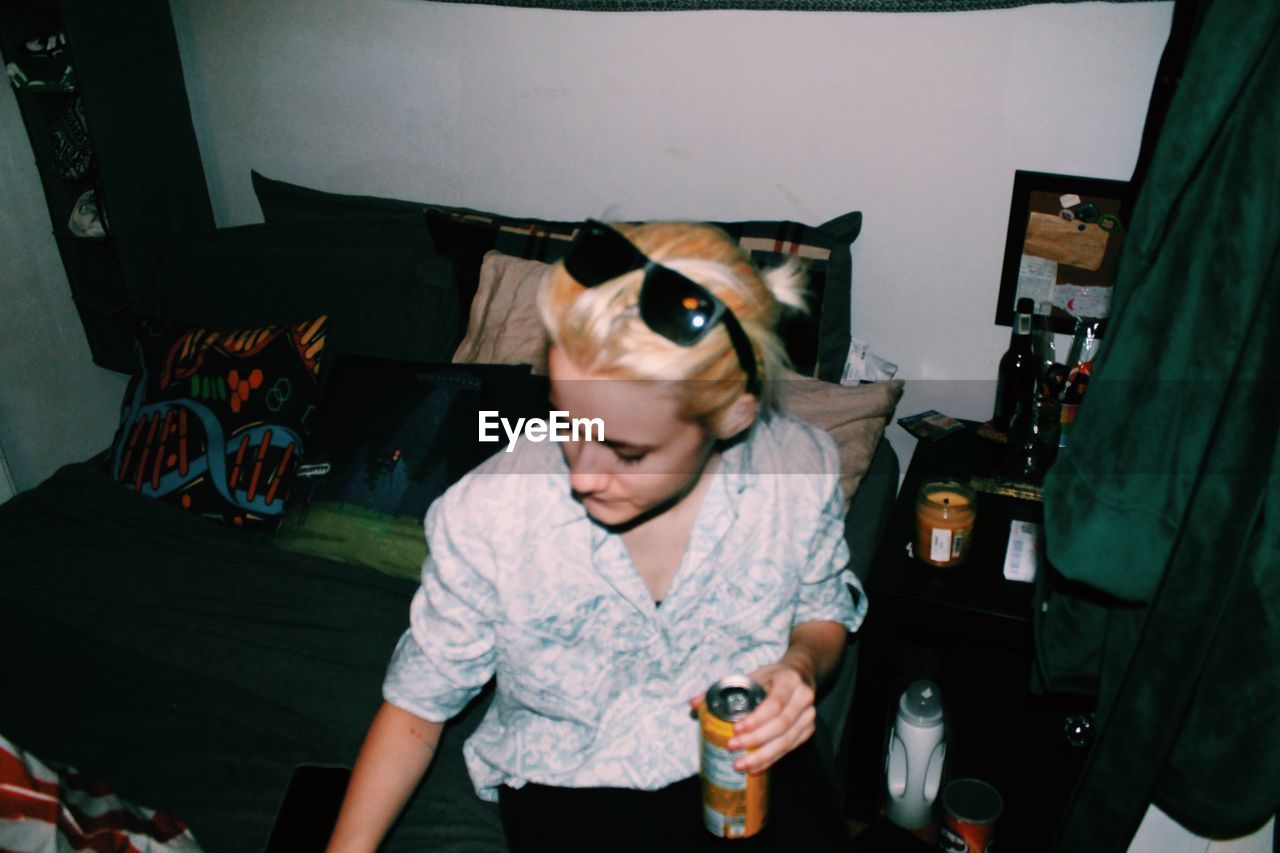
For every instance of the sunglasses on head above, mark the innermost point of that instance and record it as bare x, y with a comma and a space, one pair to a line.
676, 307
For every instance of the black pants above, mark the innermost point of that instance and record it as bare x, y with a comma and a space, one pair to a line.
803, 814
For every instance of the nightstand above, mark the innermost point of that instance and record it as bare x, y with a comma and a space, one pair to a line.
968, 629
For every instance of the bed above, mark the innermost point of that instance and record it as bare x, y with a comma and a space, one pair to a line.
194, 664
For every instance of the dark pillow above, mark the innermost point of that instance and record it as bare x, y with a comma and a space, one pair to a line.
826, 251
391, 437
817, 343
285, 202
378, 278
466, 237
216, 422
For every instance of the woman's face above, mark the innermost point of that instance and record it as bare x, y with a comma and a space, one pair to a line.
650, 457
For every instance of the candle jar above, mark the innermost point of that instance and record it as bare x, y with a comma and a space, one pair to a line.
945, 512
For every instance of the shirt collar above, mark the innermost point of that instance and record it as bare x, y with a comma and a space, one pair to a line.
736, 469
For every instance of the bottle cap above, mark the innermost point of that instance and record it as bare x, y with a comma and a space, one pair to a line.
921, 704
1026, 305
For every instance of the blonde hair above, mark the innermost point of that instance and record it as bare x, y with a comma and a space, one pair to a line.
600, 328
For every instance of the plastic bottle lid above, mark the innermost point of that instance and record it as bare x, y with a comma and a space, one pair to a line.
921, 704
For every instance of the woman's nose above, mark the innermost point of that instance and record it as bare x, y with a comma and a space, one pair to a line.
589, 468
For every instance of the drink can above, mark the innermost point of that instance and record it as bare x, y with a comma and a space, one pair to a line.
733, 803
970, 808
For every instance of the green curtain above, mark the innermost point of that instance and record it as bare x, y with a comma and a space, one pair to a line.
1163, 515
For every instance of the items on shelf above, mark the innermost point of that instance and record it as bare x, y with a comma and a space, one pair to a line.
72, 150
930, 425
1043, 335
1079, 366
970, 808
915, 756
46, 66
48, 46
1007, 488
1018, 371
86, 220
1037, 398
945, 514
862, 365
1033, 437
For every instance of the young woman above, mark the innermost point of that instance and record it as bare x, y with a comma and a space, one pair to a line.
608, 583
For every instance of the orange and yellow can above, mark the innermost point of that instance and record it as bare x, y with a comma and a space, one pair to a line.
734, 804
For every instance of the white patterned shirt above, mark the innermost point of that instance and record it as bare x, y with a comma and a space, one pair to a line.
594, 679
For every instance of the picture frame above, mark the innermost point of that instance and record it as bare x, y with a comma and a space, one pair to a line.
1065, 237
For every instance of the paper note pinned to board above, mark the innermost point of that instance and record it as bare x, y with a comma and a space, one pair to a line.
1036, 277
1022, 555
1076, 244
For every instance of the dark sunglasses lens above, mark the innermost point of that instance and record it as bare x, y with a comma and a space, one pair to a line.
676, 308
599, 254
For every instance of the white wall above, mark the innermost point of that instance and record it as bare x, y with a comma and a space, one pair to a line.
918, 120
56, 406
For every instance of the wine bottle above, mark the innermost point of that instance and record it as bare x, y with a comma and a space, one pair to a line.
1019, 369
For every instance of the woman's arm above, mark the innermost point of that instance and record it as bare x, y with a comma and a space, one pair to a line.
396, 752
786, 718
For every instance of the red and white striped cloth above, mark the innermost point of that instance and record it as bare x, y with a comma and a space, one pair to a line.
47, 811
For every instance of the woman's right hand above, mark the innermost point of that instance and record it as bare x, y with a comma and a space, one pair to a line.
396, 752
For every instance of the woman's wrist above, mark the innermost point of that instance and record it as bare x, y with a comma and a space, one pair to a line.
815, 650
802, 661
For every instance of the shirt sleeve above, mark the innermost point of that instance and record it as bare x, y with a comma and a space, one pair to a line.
829, 590
447, 654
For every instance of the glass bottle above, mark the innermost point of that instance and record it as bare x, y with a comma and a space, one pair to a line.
1019, 369
1049, 413
1042, 335
1080, 364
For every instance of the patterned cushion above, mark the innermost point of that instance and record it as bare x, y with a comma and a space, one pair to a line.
214, 422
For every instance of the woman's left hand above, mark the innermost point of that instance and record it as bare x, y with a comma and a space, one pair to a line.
787, 717
784, 720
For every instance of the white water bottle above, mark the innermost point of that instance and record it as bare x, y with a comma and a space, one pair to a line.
914, 758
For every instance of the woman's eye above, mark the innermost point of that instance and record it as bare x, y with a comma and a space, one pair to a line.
630, 458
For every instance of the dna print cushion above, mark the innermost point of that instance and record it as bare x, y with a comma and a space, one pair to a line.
215, 422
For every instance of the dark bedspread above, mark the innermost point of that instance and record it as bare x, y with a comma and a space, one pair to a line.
192, 666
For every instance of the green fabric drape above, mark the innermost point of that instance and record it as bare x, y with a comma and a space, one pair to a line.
1163, 515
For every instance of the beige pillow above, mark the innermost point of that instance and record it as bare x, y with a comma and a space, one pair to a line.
504, 326
855, 416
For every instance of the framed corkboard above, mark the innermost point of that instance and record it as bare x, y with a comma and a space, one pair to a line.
1063, 246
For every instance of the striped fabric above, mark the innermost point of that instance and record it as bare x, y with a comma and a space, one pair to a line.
776, 5
45, 810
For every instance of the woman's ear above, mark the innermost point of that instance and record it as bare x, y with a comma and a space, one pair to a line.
740, 415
